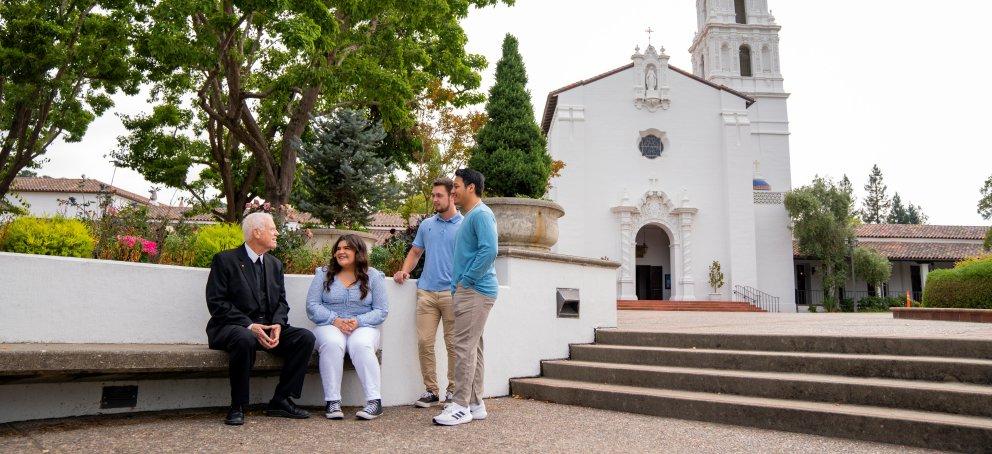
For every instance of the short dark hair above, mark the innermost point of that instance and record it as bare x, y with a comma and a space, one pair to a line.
444, 181
475, 177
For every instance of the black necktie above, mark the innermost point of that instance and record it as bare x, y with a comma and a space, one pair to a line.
259, 275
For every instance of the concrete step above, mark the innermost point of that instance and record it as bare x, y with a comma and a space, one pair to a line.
703, 306
954, 398
956, 348
929, 368
887, 425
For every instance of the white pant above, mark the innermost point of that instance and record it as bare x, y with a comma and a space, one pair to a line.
361, 346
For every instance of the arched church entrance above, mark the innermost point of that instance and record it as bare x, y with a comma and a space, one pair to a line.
653, 269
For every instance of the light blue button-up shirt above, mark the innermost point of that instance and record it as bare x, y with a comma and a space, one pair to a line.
325, 306
437, 238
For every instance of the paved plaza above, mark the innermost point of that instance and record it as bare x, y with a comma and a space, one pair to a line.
514, 425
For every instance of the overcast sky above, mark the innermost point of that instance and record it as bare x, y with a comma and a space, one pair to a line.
900, 83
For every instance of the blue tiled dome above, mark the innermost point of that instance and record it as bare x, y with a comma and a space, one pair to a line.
759, 184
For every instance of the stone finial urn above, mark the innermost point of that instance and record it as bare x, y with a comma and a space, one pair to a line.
530, 224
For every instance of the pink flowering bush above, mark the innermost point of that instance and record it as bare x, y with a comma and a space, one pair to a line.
133, 248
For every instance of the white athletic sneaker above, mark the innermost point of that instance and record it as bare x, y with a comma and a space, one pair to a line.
478, 411
453, 415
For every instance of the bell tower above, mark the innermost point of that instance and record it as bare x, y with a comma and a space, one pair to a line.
736, 44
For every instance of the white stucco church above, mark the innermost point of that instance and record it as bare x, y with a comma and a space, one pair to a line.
667, 170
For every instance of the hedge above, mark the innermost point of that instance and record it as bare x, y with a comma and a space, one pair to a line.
55, 236
968, 286
212, 239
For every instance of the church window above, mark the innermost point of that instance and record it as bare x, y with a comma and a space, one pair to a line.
651, 146
741, 11
746, 61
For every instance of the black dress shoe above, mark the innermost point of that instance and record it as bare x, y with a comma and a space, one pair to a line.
285, 408
235, 416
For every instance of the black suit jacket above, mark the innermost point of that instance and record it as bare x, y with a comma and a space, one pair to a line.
231, 295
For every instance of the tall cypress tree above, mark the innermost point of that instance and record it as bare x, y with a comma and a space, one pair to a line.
876, 206
510, 149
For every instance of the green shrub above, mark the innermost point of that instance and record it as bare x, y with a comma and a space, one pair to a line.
55, 236
968, 286
213, 239
879, 303
389, 257
304, 260
831, 305
178, 248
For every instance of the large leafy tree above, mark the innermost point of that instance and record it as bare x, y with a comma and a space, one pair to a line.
258, 71
443, 137
164, 146
985, 203
876, 205
60, 62
510, 149
822, 224
343, 180
873, 267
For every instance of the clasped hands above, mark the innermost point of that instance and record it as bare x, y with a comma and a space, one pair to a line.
346, 325
267, 335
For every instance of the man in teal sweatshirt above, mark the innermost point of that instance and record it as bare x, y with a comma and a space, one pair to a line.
474, 287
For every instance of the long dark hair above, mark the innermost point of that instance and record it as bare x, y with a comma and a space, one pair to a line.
361, 263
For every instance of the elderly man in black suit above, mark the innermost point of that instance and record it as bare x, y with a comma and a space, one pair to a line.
246, 297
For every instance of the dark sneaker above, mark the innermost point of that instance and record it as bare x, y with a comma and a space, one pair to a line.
333, 410
372, 410
427, 400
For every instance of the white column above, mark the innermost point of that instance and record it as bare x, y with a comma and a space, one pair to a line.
924, 270
686, 282
626, 287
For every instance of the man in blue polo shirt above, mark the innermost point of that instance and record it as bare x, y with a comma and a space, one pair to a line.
436, 236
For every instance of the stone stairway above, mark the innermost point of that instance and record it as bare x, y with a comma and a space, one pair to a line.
932, 393
695, 306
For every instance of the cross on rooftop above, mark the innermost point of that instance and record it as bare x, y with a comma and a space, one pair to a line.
649, 30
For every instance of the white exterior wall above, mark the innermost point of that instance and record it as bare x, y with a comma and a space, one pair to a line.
69, 300
776, 271
46, 204
603, 162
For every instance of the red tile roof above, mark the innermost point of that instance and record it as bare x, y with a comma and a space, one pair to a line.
72, 185
902, 250
902, 241
552, 102
952, 232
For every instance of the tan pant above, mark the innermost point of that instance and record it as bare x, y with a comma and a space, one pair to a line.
471, 311
434, 307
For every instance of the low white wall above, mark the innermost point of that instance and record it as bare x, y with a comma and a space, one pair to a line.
67, 300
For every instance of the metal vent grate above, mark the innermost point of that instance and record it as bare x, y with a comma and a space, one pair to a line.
119, 397
568, 303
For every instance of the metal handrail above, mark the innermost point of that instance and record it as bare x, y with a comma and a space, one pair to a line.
769, 303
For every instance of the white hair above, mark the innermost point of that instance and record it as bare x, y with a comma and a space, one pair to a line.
254, 221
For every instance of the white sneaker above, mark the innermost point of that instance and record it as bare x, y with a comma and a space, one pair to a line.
478, 411
453, 415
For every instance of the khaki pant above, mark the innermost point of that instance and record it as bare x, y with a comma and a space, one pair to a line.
471, 311
434, 307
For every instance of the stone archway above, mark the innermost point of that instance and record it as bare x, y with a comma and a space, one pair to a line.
657, 209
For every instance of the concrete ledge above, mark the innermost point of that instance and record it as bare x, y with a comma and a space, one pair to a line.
60, 363
559, 258
943, 314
